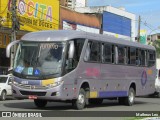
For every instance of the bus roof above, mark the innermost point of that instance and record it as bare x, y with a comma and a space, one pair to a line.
64, 35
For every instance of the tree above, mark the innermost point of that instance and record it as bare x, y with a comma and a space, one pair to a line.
156, 44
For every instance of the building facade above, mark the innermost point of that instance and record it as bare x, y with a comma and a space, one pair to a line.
31, 15
154, 37
115, 21
73, 3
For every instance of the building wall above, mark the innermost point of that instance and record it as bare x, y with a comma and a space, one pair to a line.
155, 37
117, 11
64, 3
5, 39
73, 3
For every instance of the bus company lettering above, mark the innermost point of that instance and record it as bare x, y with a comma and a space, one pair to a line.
37, 10
92, 72
49, 46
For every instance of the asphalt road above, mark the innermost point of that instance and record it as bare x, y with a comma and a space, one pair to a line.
141, 104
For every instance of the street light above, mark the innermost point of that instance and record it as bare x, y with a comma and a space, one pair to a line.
152, 31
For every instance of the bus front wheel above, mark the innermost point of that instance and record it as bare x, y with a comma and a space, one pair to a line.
3, 95
40, 103
129, 100
80, 102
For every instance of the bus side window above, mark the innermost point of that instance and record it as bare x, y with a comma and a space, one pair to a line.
128, 56
143, 57
78, 49
125, 56
139, 56
151, 58
121, 54
138, 61
113, 53
87, 52
107, 53
93, 52
132, 56
71, 63
116, 55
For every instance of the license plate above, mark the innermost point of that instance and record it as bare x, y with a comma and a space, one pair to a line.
32, 97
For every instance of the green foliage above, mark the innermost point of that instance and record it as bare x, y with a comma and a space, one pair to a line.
156, 44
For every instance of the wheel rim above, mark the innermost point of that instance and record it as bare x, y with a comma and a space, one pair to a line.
131, 97
81, 99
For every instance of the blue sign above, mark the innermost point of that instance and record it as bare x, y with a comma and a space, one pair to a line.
36, 72
30, 71
116, 24
19, 69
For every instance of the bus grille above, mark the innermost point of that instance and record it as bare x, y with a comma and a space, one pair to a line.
32, 87
33, 93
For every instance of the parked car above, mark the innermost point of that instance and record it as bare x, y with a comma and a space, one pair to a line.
5, 86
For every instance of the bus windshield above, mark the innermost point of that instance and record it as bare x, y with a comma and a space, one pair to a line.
38, 60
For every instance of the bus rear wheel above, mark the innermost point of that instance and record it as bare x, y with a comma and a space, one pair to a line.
80, 102
40, 103
131, 97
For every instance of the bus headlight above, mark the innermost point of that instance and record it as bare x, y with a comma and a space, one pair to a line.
55, 84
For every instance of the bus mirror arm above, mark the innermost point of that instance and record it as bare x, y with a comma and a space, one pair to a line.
9, 47
71, 50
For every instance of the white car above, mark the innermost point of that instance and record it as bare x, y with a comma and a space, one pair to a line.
5, 86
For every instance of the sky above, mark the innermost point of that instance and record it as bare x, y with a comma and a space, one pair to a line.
149, 10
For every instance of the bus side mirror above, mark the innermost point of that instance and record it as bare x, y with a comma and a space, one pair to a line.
71, 50
9, 47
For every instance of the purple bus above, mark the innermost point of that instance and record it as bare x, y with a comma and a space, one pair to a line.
81, 68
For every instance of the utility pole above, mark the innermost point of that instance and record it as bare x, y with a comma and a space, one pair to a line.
100, 15
14, 28
139, 27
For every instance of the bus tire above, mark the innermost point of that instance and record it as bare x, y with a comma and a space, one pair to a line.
3, 95
40, 103
129, 101
80, 102
96, 101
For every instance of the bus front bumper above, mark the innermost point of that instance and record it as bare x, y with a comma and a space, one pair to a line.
55, 93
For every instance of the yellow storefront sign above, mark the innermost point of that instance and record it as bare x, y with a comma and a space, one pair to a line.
34, 15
